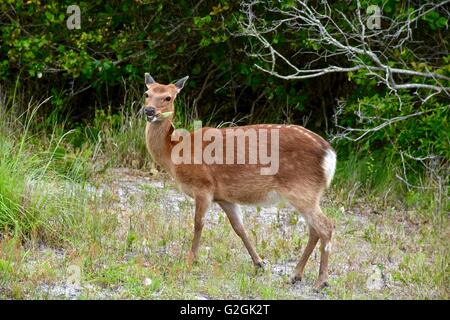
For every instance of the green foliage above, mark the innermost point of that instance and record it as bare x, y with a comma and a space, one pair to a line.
119, 41
435, 21
423, 134
95, 77
52, 155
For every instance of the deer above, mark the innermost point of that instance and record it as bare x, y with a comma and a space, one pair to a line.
307, 165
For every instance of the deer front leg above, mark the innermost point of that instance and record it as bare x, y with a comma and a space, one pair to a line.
201, 206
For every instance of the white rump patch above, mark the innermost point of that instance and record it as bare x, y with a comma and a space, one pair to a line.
329, 165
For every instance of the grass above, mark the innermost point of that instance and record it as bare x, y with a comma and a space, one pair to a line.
73, 227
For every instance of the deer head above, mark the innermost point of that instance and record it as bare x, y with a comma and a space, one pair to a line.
159, 98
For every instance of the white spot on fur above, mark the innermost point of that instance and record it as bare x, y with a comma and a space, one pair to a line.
310, 136
329, 165
328, 247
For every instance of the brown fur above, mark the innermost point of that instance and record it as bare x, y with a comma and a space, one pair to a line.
300, 179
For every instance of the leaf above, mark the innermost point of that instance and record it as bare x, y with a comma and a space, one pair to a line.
166, 114
50, 16
197, 69
441, 22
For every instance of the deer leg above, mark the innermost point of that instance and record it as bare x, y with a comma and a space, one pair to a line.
325, 249
201, 206
324, 228
320, 227
234, 215
300, 268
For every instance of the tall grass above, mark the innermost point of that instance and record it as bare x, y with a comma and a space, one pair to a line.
47, 173
30, 162
33, 155
18, 167
44, 165
379, 180
118, 139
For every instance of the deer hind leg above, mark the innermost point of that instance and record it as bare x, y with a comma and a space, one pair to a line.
297, 275
320, 227
201, 206
234, 215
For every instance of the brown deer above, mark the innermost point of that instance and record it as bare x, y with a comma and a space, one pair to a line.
306, 167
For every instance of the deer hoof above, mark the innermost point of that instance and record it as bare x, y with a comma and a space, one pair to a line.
319, 285
261, 265
190, 259
295, 278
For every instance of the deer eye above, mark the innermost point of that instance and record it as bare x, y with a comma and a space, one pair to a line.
168, 98
146, 95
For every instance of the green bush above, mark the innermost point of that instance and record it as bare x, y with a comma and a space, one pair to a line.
95, 77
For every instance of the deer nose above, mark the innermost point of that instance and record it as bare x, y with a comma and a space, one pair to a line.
150, 111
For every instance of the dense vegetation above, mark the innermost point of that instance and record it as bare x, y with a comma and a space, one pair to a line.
100, 66
70, 101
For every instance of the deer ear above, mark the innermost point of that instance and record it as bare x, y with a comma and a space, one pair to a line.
180, 83
148, 79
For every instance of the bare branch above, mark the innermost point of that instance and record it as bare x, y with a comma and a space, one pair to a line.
354, 44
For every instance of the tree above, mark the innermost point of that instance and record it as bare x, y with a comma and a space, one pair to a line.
373, 48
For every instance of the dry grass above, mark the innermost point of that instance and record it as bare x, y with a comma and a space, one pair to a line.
72, 228
131, 238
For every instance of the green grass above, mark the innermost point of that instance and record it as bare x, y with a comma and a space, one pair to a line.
375, 181
61, 207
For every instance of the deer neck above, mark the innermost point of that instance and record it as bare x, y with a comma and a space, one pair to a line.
158, 140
